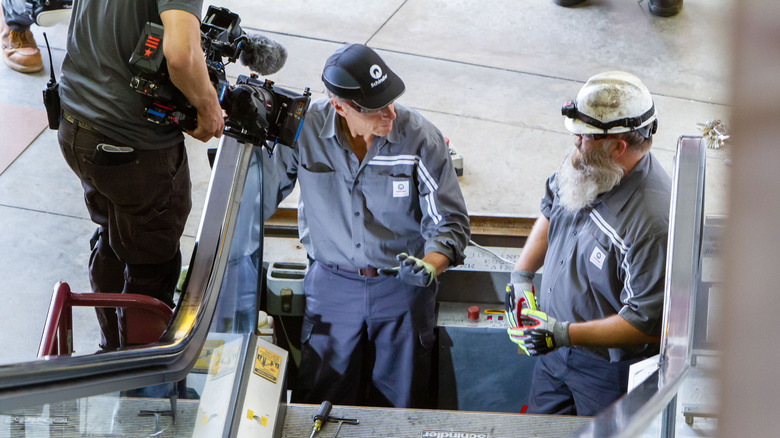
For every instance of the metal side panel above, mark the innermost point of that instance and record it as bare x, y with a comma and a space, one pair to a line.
261, 412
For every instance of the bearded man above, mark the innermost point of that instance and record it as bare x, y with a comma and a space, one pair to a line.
602, 241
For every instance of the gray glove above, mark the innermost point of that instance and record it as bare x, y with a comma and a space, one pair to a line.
411, 270
522, 283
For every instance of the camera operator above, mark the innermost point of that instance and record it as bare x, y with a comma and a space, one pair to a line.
135, 174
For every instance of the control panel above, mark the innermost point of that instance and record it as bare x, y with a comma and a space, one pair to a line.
477, 315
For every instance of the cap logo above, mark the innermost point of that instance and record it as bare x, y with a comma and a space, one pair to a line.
375, 71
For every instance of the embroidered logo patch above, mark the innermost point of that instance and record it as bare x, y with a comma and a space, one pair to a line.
597, 257
400, 189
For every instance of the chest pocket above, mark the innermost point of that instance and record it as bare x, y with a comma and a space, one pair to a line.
390, 194
316, 181
602, 259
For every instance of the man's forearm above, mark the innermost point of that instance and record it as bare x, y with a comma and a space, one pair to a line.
610, 332
439, 261
535, 248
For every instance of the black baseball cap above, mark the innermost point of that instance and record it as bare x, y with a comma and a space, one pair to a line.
357, 73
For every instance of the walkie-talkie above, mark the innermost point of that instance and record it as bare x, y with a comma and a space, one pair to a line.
51, 94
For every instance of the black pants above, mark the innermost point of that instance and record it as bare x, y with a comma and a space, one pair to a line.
140, 208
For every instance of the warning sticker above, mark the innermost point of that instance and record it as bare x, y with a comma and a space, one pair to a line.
452, 434
209, 354
267, 364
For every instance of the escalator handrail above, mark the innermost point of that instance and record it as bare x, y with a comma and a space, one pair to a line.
53, 379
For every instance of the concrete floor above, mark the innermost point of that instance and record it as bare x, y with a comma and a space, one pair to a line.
491, 75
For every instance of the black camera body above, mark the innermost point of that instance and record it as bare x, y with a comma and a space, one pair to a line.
257, 112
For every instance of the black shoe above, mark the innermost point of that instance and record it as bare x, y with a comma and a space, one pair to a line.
665, 8
567, 2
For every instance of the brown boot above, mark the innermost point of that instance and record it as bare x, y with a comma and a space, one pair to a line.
20, 52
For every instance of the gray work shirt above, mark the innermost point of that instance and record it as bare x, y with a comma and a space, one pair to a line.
95, 82
610, 258
403, 197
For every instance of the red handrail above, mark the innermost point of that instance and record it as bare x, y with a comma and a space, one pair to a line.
59, 300
147, 317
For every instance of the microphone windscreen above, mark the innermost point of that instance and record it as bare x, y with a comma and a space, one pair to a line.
263, 55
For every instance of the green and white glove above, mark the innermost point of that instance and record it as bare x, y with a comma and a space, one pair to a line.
411, 270
544, 335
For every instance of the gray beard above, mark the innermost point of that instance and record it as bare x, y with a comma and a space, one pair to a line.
580, 184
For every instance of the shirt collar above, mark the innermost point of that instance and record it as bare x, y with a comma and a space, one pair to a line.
616, 198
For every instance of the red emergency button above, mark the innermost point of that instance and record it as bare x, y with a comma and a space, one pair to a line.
473, 313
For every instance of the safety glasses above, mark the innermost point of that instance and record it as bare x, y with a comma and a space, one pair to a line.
365, 111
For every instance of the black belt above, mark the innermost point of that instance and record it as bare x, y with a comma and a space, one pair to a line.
363, 272
75, 121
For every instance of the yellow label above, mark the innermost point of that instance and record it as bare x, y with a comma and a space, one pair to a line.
250, 414
494, 311
210, 351
267, 364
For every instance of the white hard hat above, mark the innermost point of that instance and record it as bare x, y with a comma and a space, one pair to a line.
611, 103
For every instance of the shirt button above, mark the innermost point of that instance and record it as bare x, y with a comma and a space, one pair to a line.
561, 262
357, 213
575, 233
549, 290
357, 246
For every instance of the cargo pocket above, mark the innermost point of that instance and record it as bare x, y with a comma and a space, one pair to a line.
306, 329
427, 338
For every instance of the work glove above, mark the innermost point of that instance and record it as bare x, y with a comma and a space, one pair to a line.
519, 294
411, 270
544, 335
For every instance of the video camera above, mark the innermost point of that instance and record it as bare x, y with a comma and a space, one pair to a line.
47, 13
257, 112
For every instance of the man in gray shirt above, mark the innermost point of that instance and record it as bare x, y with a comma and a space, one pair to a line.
135, 174
378, 195
602, 237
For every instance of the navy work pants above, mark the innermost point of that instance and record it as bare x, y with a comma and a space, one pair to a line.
573, 381
140, 208
365, 341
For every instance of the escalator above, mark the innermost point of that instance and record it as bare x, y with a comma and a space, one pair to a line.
195, 369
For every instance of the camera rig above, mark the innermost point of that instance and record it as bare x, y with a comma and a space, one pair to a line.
257, 112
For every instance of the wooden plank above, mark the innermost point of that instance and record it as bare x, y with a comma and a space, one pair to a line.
285, 222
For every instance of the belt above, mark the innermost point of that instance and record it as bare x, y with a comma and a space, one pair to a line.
363, 272
75, 121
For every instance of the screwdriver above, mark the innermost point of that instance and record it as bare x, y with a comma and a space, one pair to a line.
321, 417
